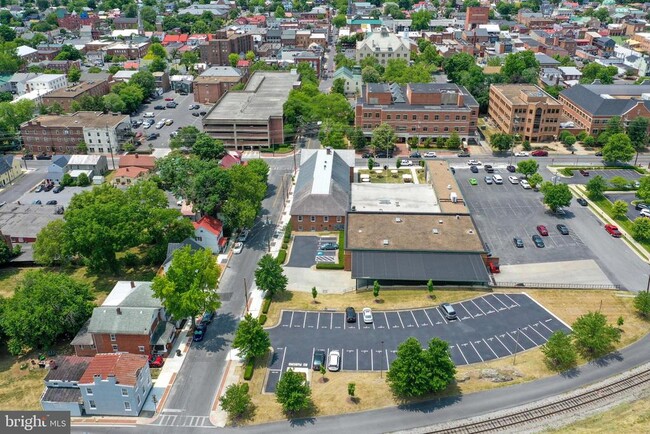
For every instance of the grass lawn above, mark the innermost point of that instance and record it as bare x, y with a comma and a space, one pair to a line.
372, 390
279, 149
421, 176
386, 176
9, 278
625, 223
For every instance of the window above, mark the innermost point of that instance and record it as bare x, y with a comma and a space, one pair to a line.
446, 117
125, 392
92, 405
388, 117
436, 117
414, 117
127, 406
457, 117
113, 339
114, 346
326, 219
413, 129
299, 218
89, 391
426, 117
377, 114
141, 348
398, 117
425, 129
339, 219
312, 218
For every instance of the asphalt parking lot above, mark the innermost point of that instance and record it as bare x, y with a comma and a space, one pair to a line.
63, 198
504, 211
607, 174
628, 197
305, 251
488, 327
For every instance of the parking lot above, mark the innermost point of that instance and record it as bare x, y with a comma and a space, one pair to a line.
504, 211
306, 252
628, 174
488, 327
63, 198
627, 197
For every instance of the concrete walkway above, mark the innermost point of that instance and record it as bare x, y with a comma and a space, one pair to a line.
566, 272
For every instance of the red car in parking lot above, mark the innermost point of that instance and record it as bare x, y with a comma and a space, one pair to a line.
539, 153
542, 230
613, 231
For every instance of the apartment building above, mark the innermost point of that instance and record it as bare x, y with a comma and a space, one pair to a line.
130, 50
418, 109
384, 46
216, 51
46, 83
66, 96
212, 84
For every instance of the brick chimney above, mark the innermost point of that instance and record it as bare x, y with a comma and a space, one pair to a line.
132, 284
119, 311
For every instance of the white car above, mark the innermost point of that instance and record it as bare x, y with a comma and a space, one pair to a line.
367, 315
497, 179
334, 361
160, 124
406, 163
474, 163
522, 154
429, 155
146, 126
238, 248
513, 179
243, 236
524, 184
645, 213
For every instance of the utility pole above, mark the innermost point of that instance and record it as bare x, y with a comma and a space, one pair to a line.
514, 360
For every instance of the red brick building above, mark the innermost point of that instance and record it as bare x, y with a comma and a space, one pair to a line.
216, 51
66, 96
212, 84
74, 22
475, 16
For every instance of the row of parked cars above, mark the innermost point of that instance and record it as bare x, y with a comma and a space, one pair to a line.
201, 327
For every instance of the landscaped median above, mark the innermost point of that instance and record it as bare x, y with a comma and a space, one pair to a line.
372, 391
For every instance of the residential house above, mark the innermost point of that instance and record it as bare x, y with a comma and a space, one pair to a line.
172, 247
147, 162
62, 391
27, 54
208, 233
57, 168
129, 175
122, 23
91, 165
351, 77
10, 169
116, 384
232, 158
46, 83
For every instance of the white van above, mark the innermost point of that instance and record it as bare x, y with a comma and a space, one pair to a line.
149, 115
497, 179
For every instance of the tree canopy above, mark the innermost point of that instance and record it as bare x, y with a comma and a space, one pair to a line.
251, 339
292, 392
269, 276
593, 337
618, 148
556, 195
527, 167
383, 138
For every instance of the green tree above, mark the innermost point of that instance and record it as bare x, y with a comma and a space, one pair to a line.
158, 64
619, 209
338, 86
236, 402
157, 50
233, 58
45, 307
456, 64
293, 393
593, 337
453, 142
383, 138
114, 103
643, 192
556, 195
619, 182
417, 371
279, 12
370, 74
642, 303
371, 164
618, 148
569, 140
641, 229
596, 71
250, 55
247, 189
132, 96
82, 148
535, 179
145, 80
314, 293
189, 287
339, 21
596, 186
208, 148
559, 353
420, 19
527, 167
375, 290
74, 74
430, 288
49, 244
521, 67
352, 387
66, 180
69, 52
357, 138
269, 276
83, 180
251, 339
637, 131
502, 141
615, 126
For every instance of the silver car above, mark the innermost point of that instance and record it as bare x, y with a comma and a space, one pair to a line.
334, 361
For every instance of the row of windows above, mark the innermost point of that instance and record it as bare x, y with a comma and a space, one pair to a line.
403, 129
326, 219
415, 117
105, 133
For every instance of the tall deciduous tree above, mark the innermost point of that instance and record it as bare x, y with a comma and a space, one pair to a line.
642, 303
637, 130
592, 335
527, 167
74, 74
501, 141
383, 138
236, 401
49, 245
619, 209
293, 393
559, 353
189, 287
618, 148
251, 339
145, 80
270, 277
641, 229
596, 186
556, 195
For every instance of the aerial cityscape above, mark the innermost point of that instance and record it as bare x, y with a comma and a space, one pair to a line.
324, 216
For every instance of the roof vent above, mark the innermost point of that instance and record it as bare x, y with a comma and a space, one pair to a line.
385, 242
440, 221
457, 217
435, 231
398, 220
448, 186
470, 231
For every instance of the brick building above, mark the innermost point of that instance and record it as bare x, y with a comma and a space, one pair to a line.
418, 109
216, 51
123, 23
526, 110
475, 16
130, 50
212, 84
66, 96
73, 22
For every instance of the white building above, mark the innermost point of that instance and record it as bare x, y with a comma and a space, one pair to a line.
384, 46
45, 83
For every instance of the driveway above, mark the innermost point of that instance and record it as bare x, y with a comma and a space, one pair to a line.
608, 174
488, 327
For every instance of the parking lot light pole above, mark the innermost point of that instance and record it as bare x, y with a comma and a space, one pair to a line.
514, 360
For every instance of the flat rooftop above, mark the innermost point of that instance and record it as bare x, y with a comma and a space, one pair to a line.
263, 98
512, 92
26, 221
403, 198
412, 232
444, 184
76, 90
79, 120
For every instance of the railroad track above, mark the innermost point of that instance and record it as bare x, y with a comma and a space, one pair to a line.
543, 411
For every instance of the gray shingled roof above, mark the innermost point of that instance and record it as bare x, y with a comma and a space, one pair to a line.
129, 320
589, 98
61, 394
4, 166
141, 296
68, 368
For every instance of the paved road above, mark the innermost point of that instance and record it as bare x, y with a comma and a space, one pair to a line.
36, 172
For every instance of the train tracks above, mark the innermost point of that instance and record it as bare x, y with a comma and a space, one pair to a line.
536, 412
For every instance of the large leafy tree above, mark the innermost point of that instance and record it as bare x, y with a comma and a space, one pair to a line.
208, 148
596, 71
244, 201
49, 245
593, 337
251, 339
383, 138
501, 141
236, 401
185, 137
132, 96
456, 64
189, 287
45, 307
556, 195
642, 303
596, 186
527, 167
637, 130
618, 148
521, 67
420, 19
293, 393
641, 228
269, 276
417, 371
145, 80
559, 353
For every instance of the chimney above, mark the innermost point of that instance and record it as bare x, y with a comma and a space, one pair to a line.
119, 311
137, 156
132, 284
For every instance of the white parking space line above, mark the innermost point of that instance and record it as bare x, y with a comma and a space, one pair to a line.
516, 304
461, 353
372, 360
304, 321
546, 326
485, 300
499, 300
477, 306
415, 320
488, 345
425, 312
517, 344
400, 319
387, 323
331, 320
387, 362
342, 351
532, 327
479, 354
291, 322
284, 353
441, 316
461, 304
373, 324
345, 322
504, 346
357, 359
522, 331
318, 321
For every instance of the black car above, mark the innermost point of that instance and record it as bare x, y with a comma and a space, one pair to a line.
463, 154
159, 107
582, 202
488, 168
474, 169
171, 104
49, 187
37, 202
202, 113
199, 333
329, 246
562, 229
519, 243
28, 157
511, 169
366, 155
488, 250
538, 241
182, 92
195, 114
194, 106
350, 315
51, 202
58, 189
319, 360
153, 136
415, 155
43, 157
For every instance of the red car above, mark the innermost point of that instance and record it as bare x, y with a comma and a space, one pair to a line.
169, 99
155, 361
542, 230
613, 231
584, 172
539, 153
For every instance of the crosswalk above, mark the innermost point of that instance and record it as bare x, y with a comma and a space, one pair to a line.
182, 420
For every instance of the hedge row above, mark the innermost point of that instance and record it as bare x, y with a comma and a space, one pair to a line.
341, 259
248, 371
282, 256
329, 266
262, 319
266, 305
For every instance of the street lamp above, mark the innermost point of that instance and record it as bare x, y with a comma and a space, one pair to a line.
514, 360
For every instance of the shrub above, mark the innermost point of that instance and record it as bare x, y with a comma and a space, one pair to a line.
262, 319
130, 259
248, 371
266, 305
285, 245
282, 256
328, 266
566, 171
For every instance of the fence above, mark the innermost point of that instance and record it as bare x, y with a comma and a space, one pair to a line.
538, 285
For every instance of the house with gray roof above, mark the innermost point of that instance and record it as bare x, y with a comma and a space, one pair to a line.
62, 391
57, 168
352, 79
322, 193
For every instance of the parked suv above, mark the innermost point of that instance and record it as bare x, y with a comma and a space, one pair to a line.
448, 311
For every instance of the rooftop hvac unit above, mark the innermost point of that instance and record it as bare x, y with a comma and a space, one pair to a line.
398, 220
385, 242
435, 231
454, 197
440, 221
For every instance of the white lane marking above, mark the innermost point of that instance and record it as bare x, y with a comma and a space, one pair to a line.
517, 343
533, 329
546, 327
372, 360
400, 320
499, 300
479, 354
415, 320
331, 319
318, 321
387, 362
466, 310
425, 312
493, 308
488, 345
477, 307
549, 312
461, 353
387, 323
509, 298
504, 346
291, 322
357, 359
304, 321
284, 353
441, 316
522, 331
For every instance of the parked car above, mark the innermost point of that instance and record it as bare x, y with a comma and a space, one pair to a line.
159, 107
415, 155
350, 315
406, 163
334, 361
319, 360
584, 172
153, 136
521, 154
51, 202
474, 163
243, 236
645, 213
156, 361
463, 154
38, 189
58, 189
37, 202
367, 315
199, 333
149, 115
202, 113
488, 180
524, 184
238, 247
562, 229
582, 201
539, 153
448, 311
613, 231
429, 154
49, 186
194, 106
599, 154
488, 168
474, 169
329, 246
513, 179
640, 206
519, 243
171, 104
510, 168
542, 230
168, 122
498, 179
169, 99
538, 241
196, 114
43, 157
366, 155
473, 181
207, 317
28, 157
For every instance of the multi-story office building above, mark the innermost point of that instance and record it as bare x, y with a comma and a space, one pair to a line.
384, 46
216, 51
